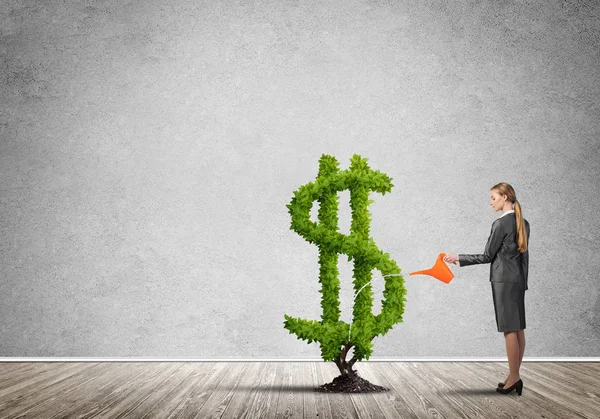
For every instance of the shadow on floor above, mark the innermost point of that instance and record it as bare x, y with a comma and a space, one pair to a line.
473, 391
277, 388
310, 389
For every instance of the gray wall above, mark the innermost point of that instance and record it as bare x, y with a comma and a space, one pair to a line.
148, 151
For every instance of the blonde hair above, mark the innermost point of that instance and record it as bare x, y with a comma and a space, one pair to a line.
504, 188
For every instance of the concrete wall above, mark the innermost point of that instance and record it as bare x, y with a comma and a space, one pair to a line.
148, 151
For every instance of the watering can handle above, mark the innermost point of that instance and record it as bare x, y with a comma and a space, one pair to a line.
441, 256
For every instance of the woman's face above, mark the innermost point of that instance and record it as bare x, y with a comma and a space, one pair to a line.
496, 201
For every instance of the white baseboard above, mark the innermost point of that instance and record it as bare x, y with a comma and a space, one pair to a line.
59, 359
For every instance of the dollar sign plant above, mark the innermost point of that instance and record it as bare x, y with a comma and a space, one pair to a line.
336, 337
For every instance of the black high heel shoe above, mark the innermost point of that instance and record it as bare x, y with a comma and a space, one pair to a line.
516, 386
500, 385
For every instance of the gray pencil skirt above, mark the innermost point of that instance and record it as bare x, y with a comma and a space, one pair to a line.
509, 305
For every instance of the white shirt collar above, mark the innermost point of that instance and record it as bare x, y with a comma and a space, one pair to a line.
507, 212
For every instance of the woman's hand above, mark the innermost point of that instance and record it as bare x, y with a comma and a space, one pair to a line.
451, 258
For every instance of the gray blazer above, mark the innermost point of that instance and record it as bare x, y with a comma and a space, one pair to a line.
507, 263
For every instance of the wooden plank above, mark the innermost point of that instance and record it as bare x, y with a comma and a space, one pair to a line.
585, 373
417, 401
323, 406
264, 402
173, 404
309, 394
390, 403
479, 391
544, 385
223, 393
142, 387
420, 378
119, 387
85, 392
584, 386
290, 403
452, 389
576, 398
10, 369
398, 396
364, 403
589, 369
531, 404
198, 395
123, 385
42, 390
42, 373
285, 390
27, 372
165, 390
247, 389
341, 405
78, 397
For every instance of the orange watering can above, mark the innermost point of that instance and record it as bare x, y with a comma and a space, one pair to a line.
439, 271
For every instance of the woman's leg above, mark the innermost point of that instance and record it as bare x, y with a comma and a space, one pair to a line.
512, 352
521, 339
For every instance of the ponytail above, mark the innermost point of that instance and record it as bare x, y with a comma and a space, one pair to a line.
521, 231
505, 189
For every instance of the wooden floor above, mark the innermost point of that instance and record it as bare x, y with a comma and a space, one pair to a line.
285, 389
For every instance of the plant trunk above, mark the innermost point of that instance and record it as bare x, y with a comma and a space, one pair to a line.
344, 366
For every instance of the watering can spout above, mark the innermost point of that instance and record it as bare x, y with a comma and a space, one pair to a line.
439, 271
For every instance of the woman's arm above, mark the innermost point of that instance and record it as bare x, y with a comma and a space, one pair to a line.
525, 265
525, 258
491, 248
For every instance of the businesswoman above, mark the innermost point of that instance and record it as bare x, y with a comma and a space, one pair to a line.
507, 251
